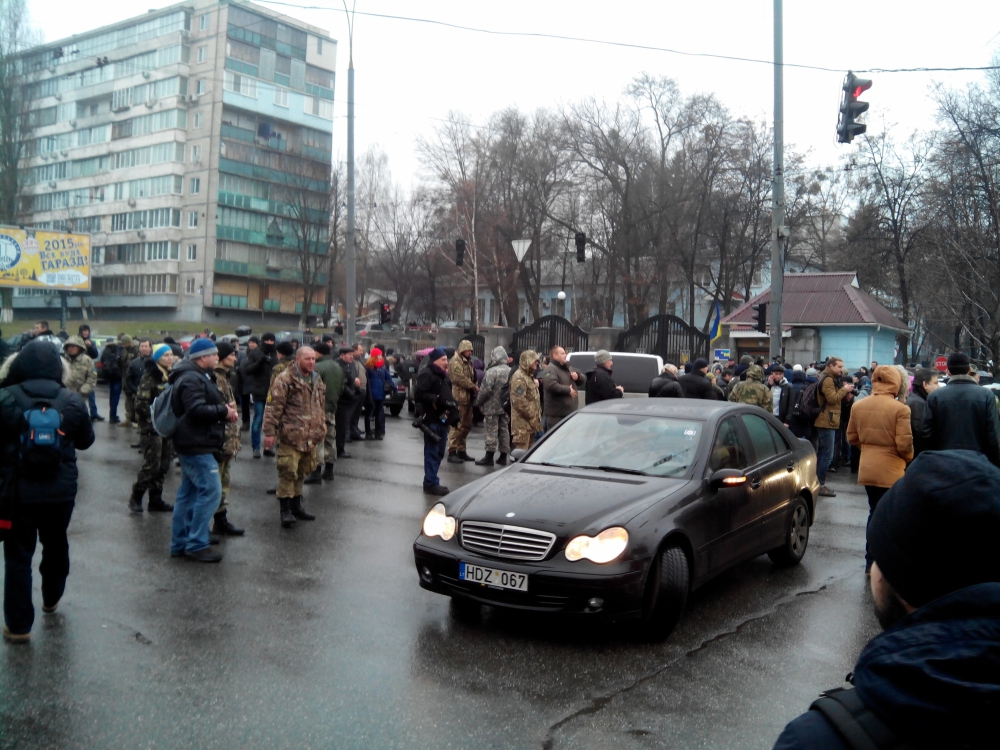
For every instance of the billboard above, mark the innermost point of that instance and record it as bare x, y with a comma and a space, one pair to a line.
36, 259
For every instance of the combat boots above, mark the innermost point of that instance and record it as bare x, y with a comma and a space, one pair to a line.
502, 459
287, 519
454, 458
486, 460
465, 456
224, 527
299, 512
135, 502
328, 471
156, 502
314, 477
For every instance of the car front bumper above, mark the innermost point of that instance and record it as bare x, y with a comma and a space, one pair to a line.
553, 586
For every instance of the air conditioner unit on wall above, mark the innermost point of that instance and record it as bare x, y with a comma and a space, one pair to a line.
72, 124
145, 74
150, 103
58, 96
131, 202
185, 34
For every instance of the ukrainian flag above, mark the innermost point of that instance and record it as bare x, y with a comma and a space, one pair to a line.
716, 330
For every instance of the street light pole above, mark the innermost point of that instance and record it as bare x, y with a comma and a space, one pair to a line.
778, 229
350, 261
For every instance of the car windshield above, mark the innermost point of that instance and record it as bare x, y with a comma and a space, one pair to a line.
623, 443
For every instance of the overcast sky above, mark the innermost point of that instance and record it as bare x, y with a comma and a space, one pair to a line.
410, 74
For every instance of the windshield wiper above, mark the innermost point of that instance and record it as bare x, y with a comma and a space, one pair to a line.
546, 463
615, 469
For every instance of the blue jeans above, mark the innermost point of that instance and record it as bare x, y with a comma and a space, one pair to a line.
433, 454
258, 423
114, 396
196, 502
92, 402
824, 453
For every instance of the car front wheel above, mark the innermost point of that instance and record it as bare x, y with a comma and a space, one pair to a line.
666, 593
793, 549
395, 410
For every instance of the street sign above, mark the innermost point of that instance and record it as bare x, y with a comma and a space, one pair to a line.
520, 248
36, 259
721, 354
941, 364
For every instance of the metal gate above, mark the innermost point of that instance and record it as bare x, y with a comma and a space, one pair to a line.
549, 331
478, 342
666, 335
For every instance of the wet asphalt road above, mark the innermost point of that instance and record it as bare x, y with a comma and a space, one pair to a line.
320, 637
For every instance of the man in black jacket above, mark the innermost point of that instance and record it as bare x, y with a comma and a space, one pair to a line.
434, 396
42, 500
200, 435
600, 385
781, 392
113, 377
925, 382
348, 400
932, 679
696, 384
261, 359
665, 385
962, 415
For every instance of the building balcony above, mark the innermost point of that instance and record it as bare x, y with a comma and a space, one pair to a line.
260, 271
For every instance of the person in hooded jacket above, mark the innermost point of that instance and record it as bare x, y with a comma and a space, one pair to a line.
800, 425
665, 384
464, 389
41, 501
525, 406
932, 678
600, 385
82, 373
925, 382
113, 376
880, 426
380, 385
493, 392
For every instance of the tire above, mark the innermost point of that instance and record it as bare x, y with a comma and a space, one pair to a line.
411, 407
666, 593
395, 409
796, 536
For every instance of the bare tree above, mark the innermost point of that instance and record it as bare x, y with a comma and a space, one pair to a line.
15, 97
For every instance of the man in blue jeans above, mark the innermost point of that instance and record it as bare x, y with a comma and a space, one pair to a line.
433, 394
200, 435
831, 396
261, 359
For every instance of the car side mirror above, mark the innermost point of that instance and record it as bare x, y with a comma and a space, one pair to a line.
727, 479
517, 454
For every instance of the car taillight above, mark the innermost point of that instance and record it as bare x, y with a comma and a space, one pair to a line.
401, 388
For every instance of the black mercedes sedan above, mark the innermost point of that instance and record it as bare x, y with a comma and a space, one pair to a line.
622, 510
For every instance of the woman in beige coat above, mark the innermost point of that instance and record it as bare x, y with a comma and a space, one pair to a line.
880, 427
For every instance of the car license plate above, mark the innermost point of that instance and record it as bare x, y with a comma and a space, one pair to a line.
496, 579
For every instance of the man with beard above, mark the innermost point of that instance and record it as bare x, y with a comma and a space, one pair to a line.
932, 679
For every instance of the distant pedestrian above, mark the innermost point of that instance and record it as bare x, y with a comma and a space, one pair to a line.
800, 425
464, 389
82, 373
962, 415
380, 385
38, 481
91, 349
696, 384
665, 385
130, 352
493, 392
435, 399
296, 417
781, 393
752, 390
560, 388
745, 361
261, 359
600, 385
362, 397
200, 435
525, 406
348, 399
157, 451
925, 382
225, 381
880, 427
831, 395
113, 377
333, 378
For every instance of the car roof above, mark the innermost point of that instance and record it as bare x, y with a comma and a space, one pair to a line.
682, 408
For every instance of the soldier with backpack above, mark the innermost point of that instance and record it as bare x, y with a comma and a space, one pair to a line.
42, 424
156, 451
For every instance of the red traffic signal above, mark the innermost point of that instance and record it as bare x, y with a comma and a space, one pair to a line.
851, 107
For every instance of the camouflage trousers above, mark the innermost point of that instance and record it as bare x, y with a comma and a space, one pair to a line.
522, 439
456, 441
224, 481
293, 467
329, 449
497, 427
156, 454
129, 407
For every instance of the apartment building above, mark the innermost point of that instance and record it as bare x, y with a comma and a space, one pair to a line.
193, 144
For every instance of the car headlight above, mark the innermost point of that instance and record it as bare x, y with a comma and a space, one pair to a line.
602, 548
439, 523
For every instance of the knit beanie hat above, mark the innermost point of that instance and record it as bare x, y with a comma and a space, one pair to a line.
285, 349
159, 350
225, 349
935, 530
602, 356
202, 348
436, 354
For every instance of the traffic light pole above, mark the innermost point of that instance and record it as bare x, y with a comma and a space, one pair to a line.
778, 229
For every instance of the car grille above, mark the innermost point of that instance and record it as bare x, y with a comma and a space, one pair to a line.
512, 542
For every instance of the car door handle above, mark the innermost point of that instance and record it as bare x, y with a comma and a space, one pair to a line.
755, 483
791, 465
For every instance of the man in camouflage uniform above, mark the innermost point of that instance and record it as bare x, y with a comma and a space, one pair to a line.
82, 373
464, 390
492, 394
525, 406
223, 371
285, 353
752, 390
295, 413
127, 353
156, 451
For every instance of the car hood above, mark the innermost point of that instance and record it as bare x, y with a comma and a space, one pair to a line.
562, 501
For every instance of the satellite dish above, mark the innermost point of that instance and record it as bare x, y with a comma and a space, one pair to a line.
520, 248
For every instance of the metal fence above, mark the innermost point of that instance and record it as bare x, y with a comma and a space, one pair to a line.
668, 336
549, 331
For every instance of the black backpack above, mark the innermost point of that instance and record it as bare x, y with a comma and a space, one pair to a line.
809, 406
857, 725
40, 443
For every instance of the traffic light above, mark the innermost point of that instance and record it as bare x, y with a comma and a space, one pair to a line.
760, 317
850, 108
459, 252
581, 246
385, 315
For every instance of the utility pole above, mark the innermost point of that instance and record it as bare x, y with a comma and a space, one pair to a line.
779, 231
350, 261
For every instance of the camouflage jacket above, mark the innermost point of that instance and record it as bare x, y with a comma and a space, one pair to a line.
82, 373
295, 410
753, 391
232, 444
493, 391
154, 378
126, 355
279, 368
525, 407
463, 377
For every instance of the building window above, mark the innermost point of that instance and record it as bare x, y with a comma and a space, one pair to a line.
196, 154
202, 54
192, 252
280, 96
97, 256
195, 186
201, 86
240, 84
189, 286
319, 46
313, 105
203, 22
192, 219
197, 119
